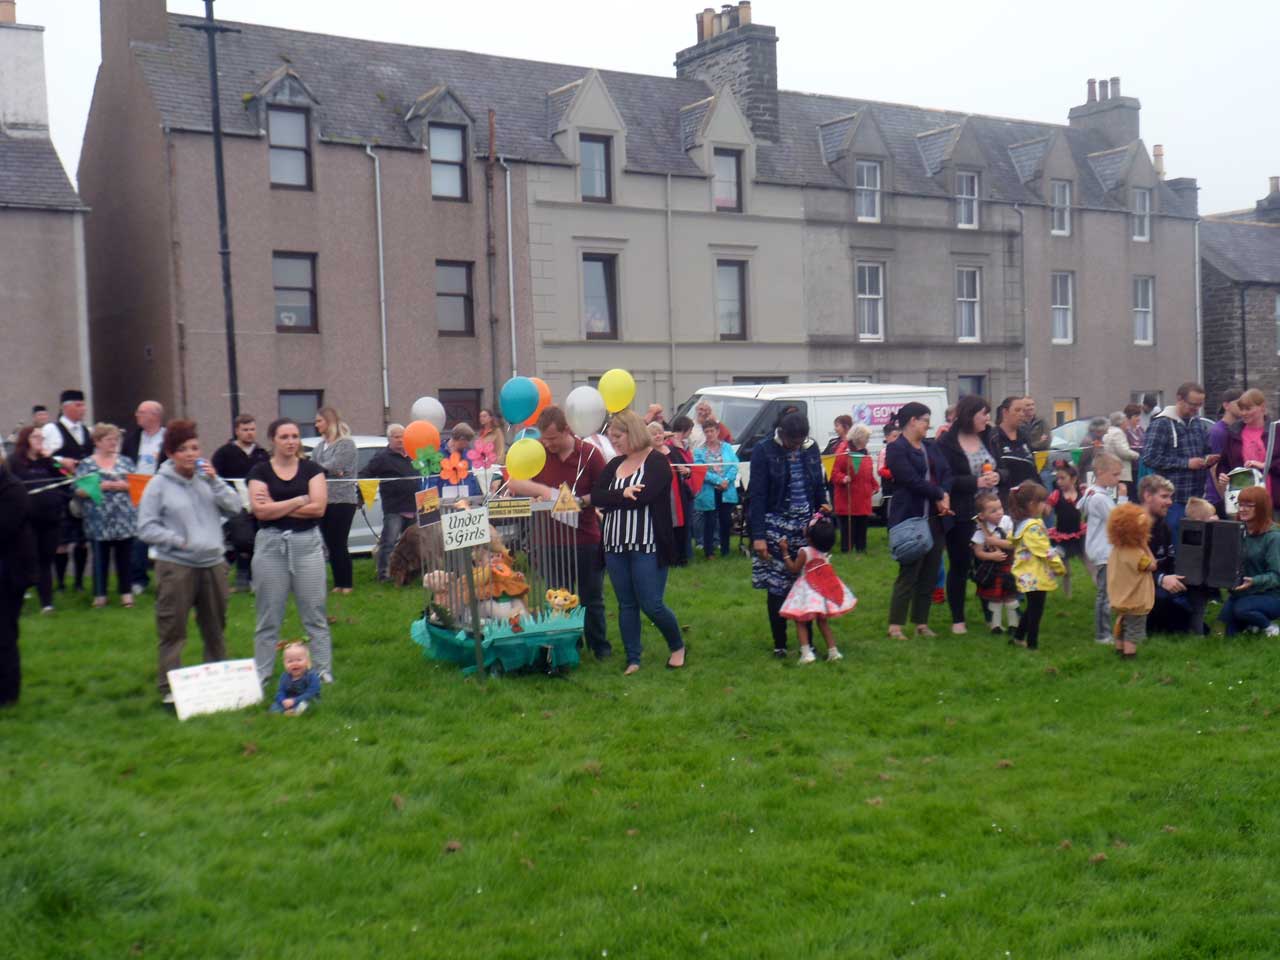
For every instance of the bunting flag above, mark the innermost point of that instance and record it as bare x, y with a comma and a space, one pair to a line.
1075, 456
1042, 457
857, 463
137, 483
91, 484
697, 477
369, 492
828, 464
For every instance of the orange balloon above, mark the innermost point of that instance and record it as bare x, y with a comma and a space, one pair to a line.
544, 401
420, 434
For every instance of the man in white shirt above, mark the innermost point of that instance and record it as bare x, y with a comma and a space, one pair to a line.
70, 423
144, 445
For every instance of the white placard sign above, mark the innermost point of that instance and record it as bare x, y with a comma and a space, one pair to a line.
213, 687
466, 528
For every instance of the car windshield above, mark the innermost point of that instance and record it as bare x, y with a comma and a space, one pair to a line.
1069, 435
736, 413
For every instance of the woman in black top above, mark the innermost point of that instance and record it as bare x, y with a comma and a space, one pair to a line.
1016, 462
969, 448
634, 493
288, 497
37, 472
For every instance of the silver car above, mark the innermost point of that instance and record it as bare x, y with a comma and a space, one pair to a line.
367, 524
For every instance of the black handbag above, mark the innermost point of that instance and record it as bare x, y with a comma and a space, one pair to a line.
241, 531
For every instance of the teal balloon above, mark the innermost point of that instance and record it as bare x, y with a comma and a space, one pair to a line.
529, 433
518, 399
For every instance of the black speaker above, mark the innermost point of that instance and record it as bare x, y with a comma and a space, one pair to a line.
1192, 558
1210, 554
1226, 553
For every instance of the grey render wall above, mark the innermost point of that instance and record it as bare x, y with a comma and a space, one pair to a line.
1225, 363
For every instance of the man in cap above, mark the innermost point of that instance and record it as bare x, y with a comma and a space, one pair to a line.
67, 439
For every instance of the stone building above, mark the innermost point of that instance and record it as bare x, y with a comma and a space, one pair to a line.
697, 229
1240, 290
43, 297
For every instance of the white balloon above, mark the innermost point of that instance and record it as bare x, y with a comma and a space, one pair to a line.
585, 411
429, 409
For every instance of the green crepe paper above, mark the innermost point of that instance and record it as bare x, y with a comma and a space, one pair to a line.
427, 461
91, 483
1075, 456
857, 462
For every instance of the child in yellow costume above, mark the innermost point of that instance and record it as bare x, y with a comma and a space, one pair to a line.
1036, 564
1131, 587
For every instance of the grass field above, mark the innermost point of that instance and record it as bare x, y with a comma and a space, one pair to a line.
943, 798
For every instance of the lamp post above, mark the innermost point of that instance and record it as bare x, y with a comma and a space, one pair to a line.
211, 30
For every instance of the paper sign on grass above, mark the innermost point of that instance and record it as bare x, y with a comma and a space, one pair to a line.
466, 528
214, 687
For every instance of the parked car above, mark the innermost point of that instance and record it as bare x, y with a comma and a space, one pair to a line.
364, 535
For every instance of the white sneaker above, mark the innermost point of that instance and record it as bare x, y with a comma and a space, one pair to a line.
833, 655
1101, 640
326, 677
46, 609
167, 699
139, 589
806, 655
1272, 630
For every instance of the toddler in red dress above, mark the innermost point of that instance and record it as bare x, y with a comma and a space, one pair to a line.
818, 594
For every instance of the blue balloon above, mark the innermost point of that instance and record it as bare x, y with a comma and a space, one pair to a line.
529, 433
518, 399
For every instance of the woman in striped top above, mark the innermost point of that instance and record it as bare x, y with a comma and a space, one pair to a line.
634, 493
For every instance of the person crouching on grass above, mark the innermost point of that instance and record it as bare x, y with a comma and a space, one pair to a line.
818, 594
1131, 588
1036, 565
299, 685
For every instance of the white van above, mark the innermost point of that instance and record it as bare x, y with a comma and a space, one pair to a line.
751, 411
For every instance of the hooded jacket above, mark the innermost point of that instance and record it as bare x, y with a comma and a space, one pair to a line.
182, 518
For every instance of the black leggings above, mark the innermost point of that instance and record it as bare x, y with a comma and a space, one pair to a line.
1028, 627
852, 528
335, 527
47, 536
777, 622
77, 550
959, 554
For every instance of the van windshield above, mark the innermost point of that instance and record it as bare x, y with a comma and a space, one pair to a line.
736, 413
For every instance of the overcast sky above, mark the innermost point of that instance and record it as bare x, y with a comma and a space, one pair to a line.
1205, 73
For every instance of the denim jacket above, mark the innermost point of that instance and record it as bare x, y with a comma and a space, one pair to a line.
768, 488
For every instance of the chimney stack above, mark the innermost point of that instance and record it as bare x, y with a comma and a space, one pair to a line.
1107, 113
1158, 154
1093, 91
1104, 91
1115, 87
733, 50
8, 11
1275, 184
1268, 208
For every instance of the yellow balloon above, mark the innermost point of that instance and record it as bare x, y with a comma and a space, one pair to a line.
618, 389
525, 459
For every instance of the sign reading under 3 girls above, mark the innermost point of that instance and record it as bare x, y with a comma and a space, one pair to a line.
875, 414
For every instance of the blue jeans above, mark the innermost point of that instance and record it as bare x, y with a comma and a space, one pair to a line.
1174, 519
639, 582
393, 525
104, 553
1249, 610
138, 562
720, 519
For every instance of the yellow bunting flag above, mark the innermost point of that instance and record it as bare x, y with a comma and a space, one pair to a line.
1042, 457
566, 502
368, 491
137, 483
828, 462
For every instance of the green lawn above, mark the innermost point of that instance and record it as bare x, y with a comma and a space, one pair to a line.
945, 798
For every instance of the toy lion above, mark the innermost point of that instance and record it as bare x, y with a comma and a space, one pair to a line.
561, 601
1131, 587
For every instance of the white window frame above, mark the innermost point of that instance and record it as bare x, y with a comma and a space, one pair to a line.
871, 299
1060, 225
967, 202
1144, 315
863, 189
1069, 306
1140, 214
963, 301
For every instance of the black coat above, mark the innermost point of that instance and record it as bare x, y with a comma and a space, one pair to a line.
656, 498
397, 495
47, 506
133, 442
964, 485
232, 463
921, 478
18, 564
1015, 460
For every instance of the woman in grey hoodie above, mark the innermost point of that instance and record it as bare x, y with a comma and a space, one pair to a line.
181, 517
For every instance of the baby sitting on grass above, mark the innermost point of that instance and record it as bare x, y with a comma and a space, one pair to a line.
299, 685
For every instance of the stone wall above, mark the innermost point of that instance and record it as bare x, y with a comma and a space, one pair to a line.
745, 58
1225, 364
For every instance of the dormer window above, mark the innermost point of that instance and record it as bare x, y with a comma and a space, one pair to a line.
1141, 214
447, 145
596, 168
967, 200
866, 191
289, 136
726, 189
1061, 226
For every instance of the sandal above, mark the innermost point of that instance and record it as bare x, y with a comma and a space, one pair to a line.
923, 631
631, 668
895, 633
127, 601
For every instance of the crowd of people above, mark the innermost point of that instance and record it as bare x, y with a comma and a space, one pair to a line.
979, 498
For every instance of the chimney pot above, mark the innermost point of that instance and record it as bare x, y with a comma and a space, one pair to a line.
8, 11
1093, 91
1104, 90
1275, 185
1115, 87
744, 12
1158, 154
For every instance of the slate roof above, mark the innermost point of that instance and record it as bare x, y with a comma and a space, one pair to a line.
365, 88
936, 145
31, 176
832, 135
1028, 158
691, 120
1243, 250
558, 102
1110, 166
